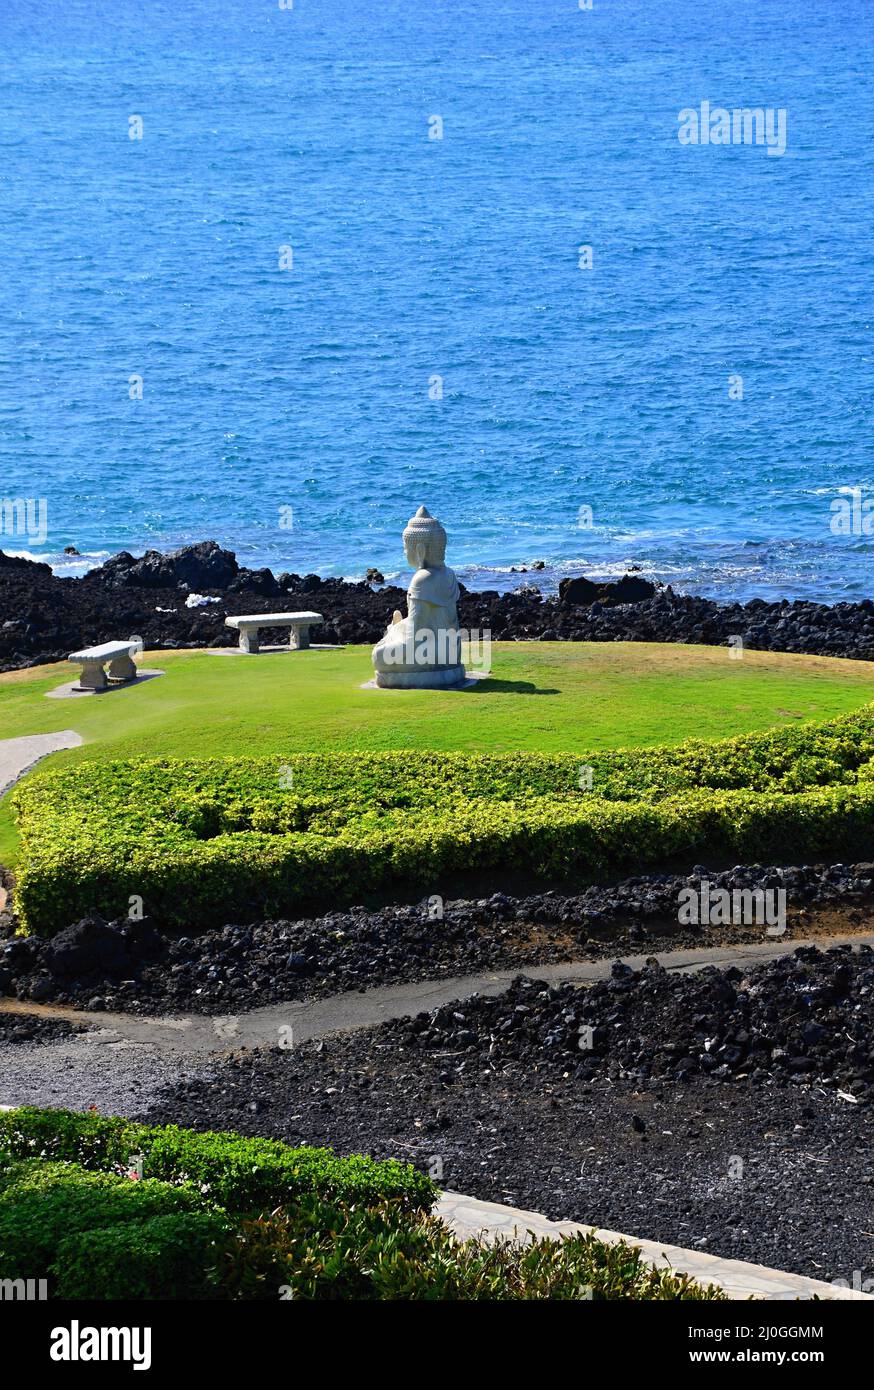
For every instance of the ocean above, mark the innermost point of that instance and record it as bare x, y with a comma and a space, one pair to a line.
277, 274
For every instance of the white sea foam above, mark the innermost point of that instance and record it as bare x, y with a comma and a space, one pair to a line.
64, 566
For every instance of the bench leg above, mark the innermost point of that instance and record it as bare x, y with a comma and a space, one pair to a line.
122, 668
249, 640
299, 638
93, 676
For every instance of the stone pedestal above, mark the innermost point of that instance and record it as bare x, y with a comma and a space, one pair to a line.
93, 676
443, 678
122, 668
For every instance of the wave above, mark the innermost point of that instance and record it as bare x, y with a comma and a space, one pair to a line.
64, 566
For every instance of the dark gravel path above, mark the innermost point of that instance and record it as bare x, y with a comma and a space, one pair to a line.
128, 966
753, 1159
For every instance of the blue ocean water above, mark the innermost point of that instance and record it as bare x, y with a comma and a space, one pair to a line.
308, 395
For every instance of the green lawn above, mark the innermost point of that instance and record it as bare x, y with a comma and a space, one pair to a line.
548, 697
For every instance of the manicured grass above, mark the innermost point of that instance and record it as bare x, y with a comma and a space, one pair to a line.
544, 697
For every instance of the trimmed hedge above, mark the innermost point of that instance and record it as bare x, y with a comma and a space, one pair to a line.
220, 840
164, 1257
43, 1203
97, 1234
241, 1175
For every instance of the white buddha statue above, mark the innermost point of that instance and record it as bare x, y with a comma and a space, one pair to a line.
424, 648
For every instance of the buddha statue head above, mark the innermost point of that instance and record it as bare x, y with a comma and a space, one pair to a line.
424, 541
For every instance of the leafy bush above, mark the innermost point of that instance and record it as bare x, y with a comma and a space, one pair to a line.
242, 1175
324, 1252
46, 1202
99, 1235
219, 840
175, 1256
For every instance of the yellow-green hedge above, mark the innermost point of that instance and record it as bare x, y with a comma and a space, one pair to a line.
209, 841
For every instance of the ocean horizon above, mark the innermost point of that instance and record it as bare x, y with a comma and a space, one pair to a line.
278, 274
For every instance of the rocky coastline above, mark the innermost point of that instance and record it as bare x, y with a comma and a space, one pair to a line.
158, 597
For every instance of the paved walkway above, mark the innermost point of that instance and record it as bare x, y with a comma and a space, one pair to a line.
468, 1216
19, 755
343, 1013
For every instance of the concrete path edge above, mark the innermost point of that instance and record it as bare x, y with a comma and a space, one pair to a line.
469, 1217
19, 755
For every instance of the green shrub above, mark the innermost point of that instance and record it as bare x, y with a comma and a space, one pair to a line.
174, 1256
323, 1232
46, 1202
11, 1169
218, 840
241, 1175
326, 1252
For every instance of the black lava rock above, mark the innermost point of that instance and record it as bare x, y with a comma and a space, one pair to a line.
805, 1017
201, 566
146, 596
578, 590
85, 948
245, 965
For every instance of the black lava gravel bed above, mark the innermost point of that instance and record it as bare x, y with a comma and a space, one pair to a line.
49, 617
804, 1016
753, 1158
35, 1028
129, 965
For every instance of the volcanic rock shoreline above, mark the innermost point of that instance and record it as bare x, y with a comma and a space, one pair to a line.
43, 618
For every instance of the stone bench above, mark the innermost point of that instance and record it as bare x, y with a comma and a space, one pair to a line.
93, 659
299, 624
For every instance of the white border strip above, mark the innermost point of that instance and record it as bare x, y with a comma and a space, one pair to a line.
468, 1216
